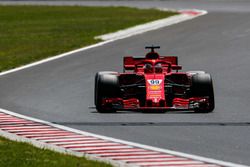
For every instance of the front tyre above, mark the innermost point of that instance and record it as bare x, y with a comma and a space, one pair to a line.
106, 86
202, 85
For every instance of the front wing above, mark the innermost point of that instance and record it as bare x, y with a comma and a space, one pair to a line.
179, 104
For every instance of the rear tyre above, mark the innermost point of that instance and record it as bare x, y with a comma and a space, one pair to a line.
202, 85
106, 86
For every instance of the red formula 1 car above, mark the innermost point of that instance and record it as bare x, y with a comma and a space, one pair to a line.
153, 84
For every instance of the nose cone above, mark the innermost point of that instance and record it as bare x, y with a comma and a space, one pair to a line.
155, 90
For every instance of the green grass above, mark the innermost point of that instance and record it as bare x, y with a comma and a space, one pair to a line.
17, 154
31, 33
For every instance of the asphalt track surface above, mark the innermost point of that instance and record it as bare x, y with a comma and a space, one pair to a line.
61, 91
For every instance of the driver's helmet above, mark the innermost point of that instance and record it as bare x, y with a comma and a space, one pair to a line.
148, 68
158, 68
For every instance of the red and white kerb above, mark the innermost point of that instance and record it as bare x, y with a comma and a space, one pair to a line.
92, 145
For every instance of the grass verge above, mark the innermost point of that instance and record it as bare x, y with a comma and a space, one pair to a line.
31, 33
18, 154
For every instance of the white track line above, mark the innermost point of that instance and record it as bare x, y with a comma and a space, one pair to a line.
153, 25
108, 38
127, 144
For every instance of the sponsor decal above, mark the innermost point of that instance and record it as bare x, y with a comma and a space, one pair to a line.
155, 96
154, 81
154, 84
155, 87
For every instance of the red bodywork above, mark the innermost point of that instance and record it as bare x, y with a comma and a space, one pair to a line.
159, 87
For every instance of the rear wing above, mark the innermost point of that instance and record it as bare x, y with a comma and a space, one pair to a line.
130, 62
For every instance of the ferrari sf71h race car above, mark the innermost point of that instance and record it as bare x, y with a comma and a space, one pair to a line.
153, 84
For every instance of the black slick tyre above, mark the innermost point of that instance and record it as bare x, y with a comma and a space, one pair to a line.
106, 86
202, 85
